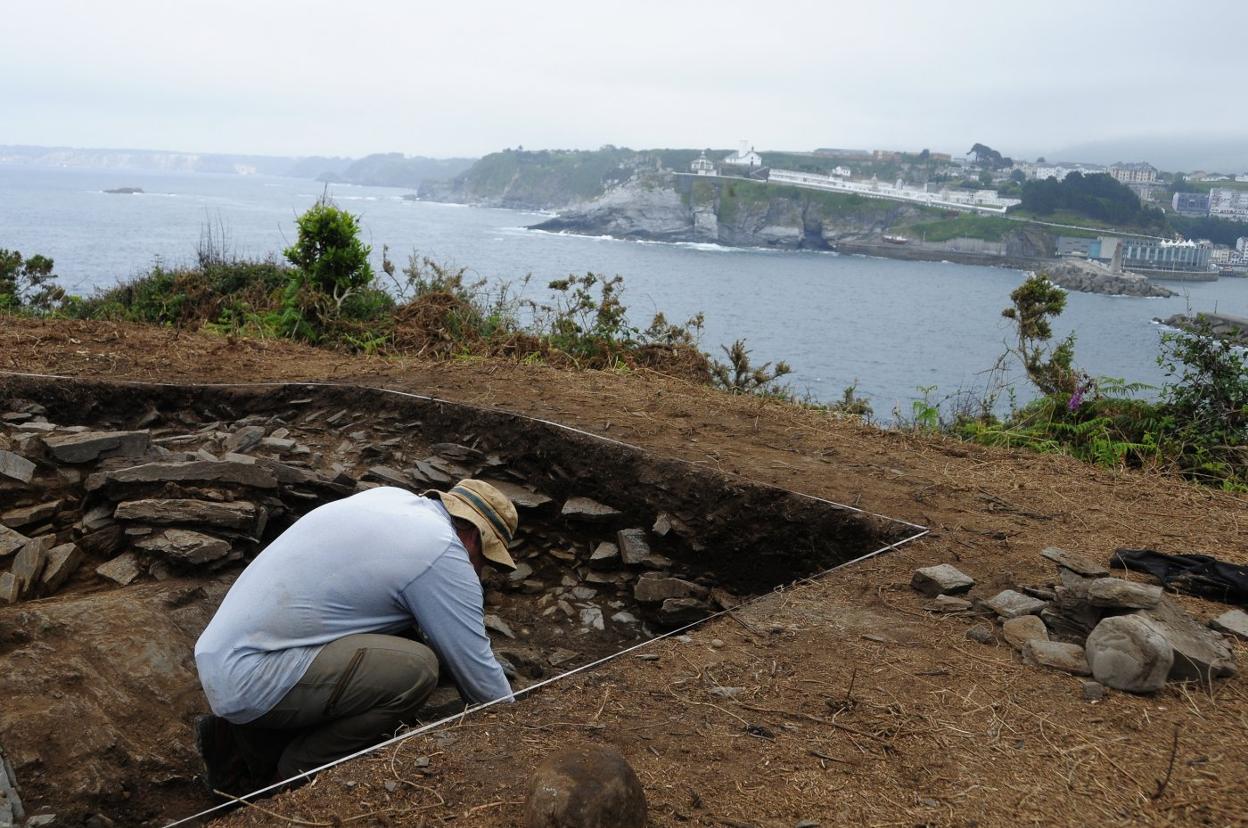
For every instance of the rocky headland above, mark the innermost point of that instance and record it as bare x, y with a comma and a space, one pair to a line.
1089, 277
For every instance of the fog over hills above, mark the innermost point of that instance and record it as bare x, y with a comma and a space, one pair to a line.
1174, 153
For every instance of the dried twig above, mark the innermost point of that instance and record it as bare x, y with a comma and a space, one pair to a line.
1165, 780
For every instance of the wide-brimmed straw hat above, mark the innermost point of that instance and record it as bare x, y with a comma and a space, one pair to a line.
488, 509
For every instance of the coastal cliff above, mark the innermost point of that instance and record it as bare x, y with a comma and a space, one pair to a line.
660, 206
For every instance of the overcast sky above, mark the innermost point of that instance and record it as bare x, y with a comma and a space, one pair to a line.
467, 77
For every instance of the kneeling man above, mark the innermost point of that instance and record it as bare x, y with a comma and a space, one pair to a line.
301, 663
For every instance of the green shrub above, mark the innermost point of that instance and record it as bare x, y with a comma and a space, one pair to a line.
27, 284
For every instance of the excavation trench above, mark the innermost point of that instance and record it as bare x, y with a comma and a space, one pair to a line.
146, 500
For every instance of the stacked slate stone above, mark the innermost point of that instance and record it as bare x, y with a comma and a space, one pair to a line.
1124, 634
173, 496
80, 503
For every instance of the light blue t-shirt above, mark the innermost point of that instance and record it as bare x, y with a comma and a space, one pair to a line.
370, 563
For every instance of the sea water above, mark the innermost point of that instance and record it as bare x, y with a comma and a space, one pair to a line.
891, 327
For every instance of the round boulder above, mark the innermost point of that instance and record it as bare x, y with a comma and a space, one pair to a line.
1125, 653
585, 787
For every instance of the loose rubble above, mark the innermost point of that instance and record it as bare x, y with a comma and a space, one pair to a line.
1126, 634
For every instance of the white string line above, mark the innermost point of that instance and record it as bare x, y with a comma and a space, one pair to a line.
516, 694
494, 411
459, 716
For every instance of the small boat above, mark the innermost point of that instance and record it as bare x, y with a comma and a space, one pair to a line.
896, 239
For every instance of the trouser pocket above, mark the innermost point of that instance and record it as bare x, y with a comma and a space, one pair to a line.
340, 688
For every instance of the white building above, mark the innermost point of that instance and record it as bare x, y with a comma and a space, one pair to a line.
1137, 172
745, 157
1242, 245
983, 201
1228, 203
702, 165
842, 172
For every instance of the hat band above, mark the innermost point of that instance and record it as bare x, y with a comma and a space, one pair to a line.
485, 510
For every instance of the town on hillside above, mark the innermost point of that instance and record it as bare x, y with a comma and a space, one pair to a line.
984, 181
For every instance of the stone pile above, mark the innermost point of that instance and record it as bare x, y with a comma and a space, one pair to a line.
1124, 634
171, 495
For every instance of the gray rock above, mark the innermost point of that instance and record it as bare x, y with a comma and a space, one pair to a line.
981, 633
389, 476
189, 471
1125, 653
103, 542
652, 588
278, 444
63, 561
560, 656
498, 625
1120, 594
10, 588
633, 546
942, 579
122, 569
184, 546
1075, 563
662, 524
236, 515
244, 439
1200, 654
29, 563
585, 509
88, 446
583, 787
16, 467
606, 555
583, 593
1076, 584
591, 617
520, 573
1234, 622
1093, 691
1011, 604
1018, 631
519, 495
1069, 658
624, 617
97, 517
11, 541
949, 603
30, 515
676, 612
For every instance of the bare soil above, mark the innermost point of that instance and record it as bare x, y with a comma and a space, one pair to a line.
857, 705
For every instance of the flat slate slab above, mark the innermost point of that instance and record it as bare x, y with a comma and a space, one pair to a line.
1120, 594
942, 579
198, 471
1011, 604
11, 541
185, 546
633, 546
87, 446
1075, 563
584, 508
519, 495
122, 569
16, 467
1199, 653
236, 515
1234, 622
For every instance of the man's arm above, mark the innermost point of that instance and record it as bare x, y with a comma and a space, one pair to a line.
446, 602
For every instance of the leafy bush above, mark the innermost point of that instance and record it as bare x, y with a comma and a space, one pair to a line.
27, 284
740, 376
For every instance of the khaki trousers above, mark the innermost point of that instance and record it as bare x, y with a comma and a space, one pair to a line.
357, 692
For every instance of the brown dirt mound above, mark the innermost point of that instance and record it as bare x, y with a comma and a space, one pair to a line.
865, 707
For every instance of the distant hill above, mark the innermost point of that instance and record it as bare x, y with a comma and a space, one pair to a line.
390, 169
1179, 153
382, 170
